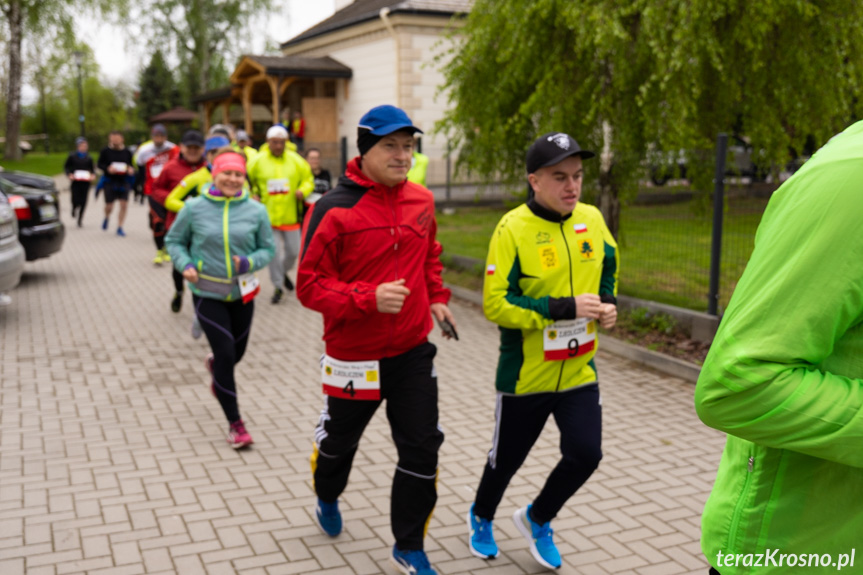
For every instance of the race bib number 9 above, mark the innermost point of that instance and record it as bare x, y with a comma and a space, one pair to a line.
568, 338
351, 379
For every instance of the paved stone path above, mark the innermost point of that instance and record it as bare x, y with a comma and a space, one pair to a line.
113, 458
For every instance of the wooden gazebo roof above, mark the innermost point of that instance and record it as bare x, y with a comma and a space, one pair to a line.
178, 115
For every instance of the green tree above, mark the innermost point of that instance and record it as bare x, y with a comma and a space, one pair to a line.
158, 88
202, 33
627, 77
47, 21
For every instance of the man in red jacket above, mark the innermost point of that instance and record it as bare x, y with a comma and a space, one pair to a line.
191, 158
370, 265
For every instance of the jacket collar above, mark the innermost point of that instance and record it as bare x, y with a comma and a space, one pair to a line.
354, 173
208, 187
545, 213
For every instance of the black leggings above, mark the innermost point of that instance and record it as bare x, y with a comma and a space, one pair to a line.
178, 280
80, 190
226, 325
409, 386
519, 421
157, 215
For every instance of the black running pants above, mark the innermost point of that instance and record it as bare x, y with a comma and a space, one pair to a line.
409, 386
519, 421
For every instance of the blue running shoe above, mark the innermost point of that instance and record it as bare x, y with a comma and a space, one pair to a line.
539, 536
329, 518
481, 541
105, 224
121, 233
412, 562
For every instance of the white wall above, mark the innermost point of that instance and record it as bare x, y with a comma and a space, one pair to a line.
373, 84
424, 106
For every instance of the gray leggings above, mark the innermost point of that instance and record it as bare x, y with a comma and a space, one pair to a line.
287, 250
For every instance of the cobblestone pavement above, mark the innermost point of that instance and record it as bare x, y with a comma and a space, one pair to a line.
113, 457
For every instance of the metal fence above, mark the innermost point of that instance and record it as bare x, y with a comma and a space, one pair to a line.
665, 244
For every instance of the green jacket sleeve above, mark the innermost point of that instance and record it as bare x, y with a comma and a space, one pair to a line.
178, 239
781, 369
503, 300
610, 265
306, 178
176, 199
251, 171
266, 249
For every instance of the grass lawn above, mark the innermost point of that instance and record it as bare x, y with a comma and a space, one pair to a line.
664, 249
39, 163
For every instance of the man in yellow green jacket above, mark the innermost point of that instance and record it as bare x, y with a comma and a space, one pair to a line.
784, 380
282, 180
551, 279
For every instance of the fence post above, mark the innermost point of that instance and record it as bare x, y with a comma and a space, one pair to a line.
718, 207
344, 154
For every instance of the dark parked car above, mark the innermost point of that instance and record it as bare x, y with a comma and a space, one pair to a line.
37, 207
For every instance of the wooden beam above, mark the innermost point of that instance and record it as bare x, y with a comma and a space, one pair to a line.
226, 111
247, 105
274, 94
208, 110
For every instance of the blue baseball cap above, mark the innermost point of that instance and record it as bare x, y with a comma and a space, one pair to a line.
216, 142
384, 120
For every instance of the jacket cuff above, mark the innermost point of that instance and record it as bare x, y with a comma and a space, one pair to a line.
561, 308
608, 298
244, 265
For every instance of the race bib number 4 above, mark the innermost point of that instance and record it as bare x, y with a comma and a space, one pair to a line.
351, 379
568, 338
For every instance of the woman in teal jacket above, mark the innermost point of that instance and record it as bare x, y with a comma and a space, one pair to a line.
217, 241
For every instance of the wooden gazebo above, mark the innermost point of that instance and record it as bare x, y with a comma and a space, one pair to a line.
266, 80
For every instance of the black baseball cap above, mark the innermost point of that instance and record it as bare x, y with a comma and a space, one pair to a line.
193, 138
552, 148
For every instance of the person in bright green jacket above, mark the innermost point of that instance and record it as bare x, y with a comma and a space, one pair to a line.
217, 242
551, 279
419, 167
282, 179
784, 380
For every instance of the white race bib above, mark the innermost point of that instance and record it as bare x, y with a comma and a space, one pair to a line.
117, 168
277, 186
249, 286
351, 379
569, 338
81, 176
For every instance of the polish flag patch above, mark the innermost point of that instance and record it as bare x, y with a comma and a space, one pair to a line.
489, 271
580, 228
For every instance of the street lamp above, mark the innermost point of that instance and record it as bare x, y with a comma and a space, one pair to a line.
79, 59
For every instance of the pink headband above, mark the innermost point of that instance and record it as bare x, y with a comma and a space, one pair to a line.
229, 161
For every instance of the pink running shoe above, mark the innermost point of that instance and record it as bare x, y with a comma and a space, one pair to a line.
208, 363
238, 437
